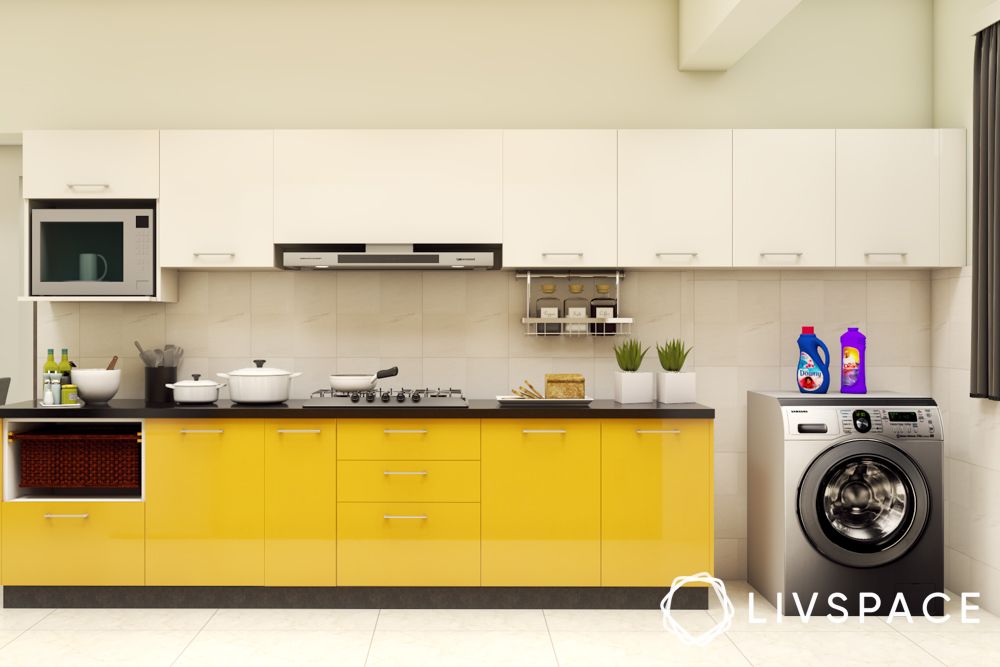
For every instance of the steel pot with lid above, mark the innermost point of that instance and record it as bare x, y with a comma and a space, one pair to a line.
195, 390
259, 384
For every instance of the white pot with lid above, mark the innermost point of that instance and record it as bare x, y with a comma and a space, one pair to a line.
259, 384
196, 390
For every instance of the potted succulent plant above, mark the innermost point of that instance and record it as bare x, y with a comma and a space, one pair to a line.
673, 386
631, 384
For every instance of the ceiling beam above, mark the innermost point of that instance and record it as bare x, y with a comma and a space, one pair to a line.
715, 34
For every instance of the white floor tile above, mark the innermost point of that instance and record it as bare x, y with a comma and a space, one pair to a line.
636, 649
623, 620
885, 649
960, 648
125, 619
462, 619
294, 619
7, 636
461, 648
251, 648
21, 619
86, 648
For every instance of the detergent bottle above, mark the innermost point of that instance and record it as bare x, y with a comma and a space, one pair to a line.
852, 364
813, 373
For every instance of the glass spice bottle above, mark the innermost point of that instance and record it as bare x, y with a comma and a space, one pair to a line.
603, 305
549, 307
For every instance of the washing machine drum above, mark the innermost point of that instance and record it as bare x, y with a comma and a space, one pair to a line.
863, 503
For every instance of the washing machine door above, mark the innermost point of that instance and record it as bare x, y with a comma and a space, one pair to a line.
863, 503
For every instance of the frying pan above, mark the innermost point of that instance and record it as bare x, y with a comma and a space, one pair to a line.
351, 383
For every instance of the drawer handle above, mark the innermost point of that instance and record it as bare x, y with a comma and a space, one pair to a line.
901, 255
670, 431
192, 431
214, 254
66, 516
88, 186
676, 254
397, 431
299, 430
530, 431
404, 516
400, 472
781, 254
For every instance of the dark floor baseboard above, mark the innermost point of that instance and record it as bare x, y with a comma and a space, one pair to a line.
349, 597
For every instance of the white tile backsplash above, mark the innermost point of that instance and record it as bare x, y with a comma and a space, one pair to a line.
464, 330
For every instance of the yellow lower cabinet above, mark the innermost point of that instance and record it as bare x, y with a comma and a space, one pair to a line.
73, 544
656, 501
205, 502
300, 503
408, 544
408, 439
408, 481
541, 502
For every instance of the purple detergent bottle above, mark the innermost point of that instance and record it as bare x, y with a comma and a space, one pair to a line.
852, 362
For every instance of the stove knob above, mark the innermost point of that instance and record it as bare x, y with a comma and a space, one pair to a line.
400, 397
370, 397
355, 397
415, 397
385, 397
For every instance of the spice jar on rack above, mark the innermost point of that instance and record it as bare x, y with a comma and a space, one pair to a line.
605, 306
548, 306
576, 306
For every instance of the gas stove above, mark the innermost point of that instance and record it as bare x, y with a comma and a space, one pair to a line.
402, 398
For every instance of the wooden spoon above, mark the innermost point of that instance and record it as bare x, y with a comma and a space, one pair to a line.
114, 362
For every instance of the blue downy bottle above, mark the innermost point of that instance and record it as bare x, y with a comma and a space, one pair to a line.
813, 373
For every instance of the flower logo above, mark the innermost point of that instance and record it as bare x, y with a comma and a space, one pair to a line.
728, 611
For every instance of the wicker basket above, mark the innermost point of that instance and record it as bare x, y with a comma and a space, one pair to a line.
107, 461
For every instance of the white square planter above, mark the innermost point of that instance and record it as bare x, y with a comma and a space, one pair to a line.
675, 387
635, 387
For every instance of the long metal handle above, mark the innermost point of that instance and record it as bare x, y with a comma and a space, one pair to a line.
396, 431
215, 254
543, 430
66, 516
190, 431
650, 431
404, 516
90, 186
571, 254
780, 254
299, 430
400, 472
885, 254
678, 254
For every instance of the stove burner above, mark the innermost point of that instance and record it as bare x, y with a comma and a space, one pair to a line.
402, 397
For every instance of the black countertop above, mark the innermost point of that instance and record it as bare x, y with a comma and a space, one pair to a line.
478, 409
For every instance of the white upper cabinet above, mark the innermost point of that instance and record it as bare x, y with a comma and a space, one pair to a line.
675, 198
387, 186
784, 198
560, 198
888, 197
91, 164
216, 204
953, 198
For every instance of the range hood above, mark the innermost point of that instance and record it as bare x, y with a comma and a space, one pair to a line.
299, 257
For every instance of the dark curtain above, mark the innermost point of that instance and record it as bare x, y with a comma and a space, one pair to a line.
985, 368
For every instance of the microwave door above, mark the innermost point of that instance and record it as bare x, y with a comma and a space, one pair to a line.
82, 252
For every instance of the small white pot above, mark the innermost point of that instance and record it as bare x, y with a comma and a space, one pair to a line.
633, 387
196, 390
675, 387
259, 385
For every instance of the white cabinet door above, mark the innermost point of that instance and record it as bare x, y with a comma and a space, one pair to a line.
91, 164
784, 197
888, 197
675, 198
953, 198
559, 198
387, 186
217, 198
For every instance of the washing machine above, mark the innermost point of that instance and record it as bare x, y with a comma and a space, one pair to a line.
845, 496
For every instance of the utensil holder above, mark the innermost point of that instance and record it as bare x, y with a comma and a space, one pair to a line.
157, 378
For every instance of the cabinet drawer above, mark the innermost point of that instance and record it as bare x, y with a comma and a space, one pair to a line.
408, 439
408, 544
408, 481
73, 544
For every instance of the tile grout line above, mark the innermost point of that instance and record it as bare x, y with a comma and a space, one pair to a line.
371, 642
25, 630
737, 647
191, 641
907, 638
552, 642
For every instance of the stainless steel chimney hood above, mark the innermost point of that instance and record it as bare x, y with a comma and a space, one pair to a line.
307, 257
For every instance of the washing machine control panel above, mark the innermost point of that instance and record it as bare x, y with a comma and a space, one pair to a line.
895, 422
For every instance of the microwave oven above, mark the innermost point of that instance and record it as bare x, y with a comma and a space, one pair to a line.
93, 248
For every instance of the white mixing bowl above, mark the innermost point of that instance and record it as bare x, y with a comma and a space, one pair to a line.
96, 386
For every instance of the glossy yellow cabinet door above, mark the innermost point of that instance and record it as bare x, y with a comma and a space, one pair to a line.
205, 502
73, 544
656, 501
408, 439
541, 502
408, 544
300, 503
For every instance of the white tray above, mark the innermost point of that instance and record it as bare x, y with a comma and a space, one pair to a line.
63, 406
545, 402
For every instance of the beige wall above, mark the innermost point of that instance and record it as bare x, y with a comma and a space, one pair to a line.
450, 63
15, 318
